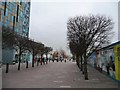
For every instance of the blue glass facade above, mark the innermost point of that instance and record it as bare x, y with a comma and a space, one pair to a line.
16, 15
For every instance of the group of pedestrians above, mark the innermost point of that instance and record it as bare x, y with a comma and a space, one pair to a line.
45, 60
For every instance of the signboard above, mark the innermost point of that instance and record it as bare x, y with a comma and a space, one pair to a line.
117, 61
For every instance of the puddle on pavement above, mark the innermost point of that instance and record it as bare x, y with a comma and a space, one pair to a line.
57, 81
65, 86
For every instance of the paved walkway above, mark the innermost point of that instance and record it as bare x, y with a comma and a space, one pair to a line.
0, 78
55, 75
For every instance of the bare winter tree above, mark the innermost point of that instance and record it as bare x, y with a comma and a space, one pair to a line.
35, 48
13, 40
21, 45
39, 50
47, 50
8, 40
86, 34
63, 53
8, 37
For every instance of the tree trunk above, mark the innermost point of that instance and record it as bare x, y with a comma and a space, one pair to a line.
33, 58
26, 64
19, 64
81, 67
41, 59
85, 68
7, 67
19, 60
37, 62
77, 60
44, 61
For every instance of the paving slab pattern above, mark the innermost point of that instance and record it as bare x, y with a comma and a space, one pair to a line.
55, 75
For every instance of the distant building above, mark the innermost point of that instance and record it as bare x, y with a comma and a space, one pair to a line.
16, 16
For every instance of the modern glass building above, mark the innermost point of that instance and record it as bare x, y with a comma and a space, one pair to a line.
16, 16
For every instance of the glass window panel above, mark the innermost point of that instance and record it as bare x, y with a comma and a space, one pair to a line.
4, 19
6, 12
11, 27
12, 18
10, 6
8, 16
0, 16
11, 24
21, 14
3, 3
10, 11
18, 18
5, 25
8, 23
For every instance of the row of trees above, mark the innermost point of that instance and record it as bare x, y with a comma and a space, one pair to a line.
85, 35
60, 53
12, 40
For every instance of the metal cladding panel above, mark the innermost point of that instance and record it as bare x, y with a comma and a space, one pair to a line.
7, 55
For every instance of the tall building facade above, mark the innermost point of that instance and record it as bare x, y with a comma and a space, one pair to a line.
16, 16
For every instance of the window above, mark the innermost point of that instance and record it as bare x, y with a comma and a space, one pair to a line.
11, 6
18, 18
20, 3
11, 19
8, 23
4, 19
16, 30
6, 12
5, 24
3, 3
8, 16
21, 13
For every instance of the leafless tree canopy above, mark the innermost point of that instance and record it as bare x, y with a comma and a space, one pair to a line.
88, 32
10, 39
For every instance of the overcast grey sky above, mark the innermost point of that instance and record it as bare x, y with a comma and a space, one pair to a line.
48, 19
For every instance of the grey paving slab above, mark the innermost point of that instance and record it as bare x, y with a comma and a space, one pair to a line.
55, 75
0, 78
